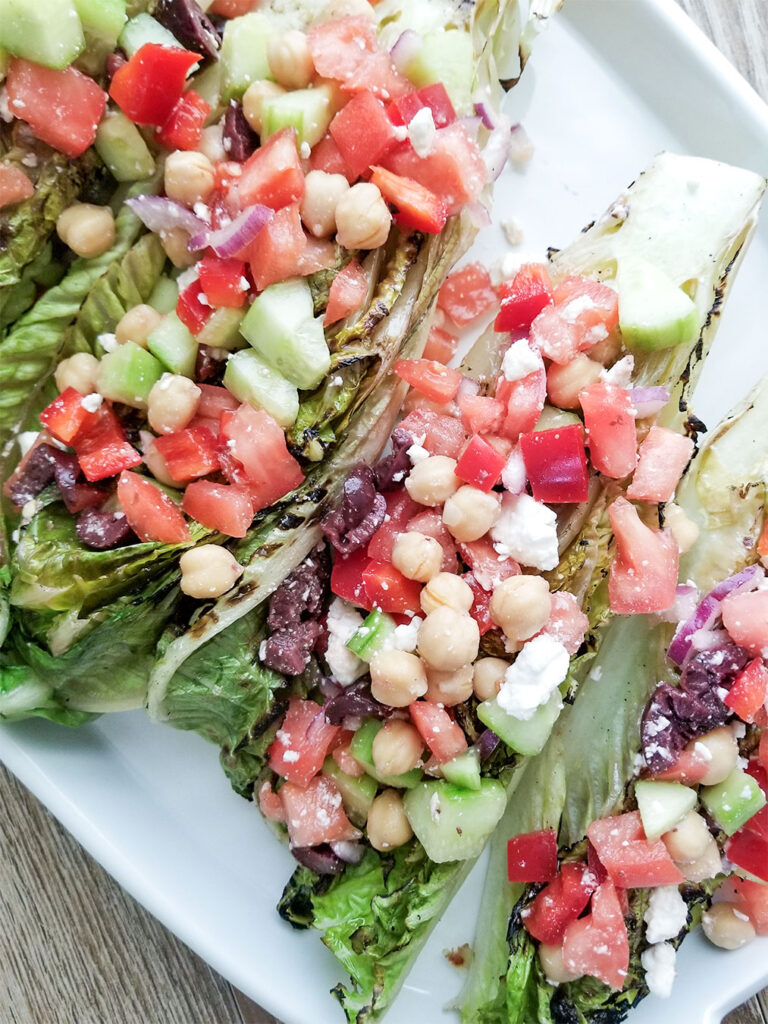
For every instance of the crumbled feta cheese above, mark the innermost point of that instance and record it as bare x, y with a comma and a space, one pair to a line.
533, 677
26, 439
262, 650
513, 476
520, 360
305, 150
5, 111
527, 531
92, 402
513, 230
107, 341
343, 621
405, 637
187, 277
203, 212
290, 756
400, 132
30, 160
666, 915
659, 965
620, 374
422, 132
416, 453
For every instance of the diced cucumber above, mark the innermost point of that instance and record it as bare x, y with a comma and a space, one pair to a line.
3, 64
372, 635
243, 53
662, 805
734, 801
551, 417
121, 146
102, 18
653, 312
453, 823
252, 380
145, 29
309, 111
222, 330
357, 794
524, 737
174, 345
464, 769
446, 56
361, 748
48, 32
281, 327
207, 84
127, 375
165, 295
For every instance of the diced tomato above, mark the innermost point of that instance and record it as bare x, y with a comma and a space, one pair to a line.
101, 446
272, 176
232, 8
752, 899
302, 742
341, 755
363, 132
257, 441
453, 170
439, 383
749, 851
556, 464
480, 609
150, 512
149, 85
690, 768
559, 903
184, 127
524, 399
400, 509
598, 944
555, 337
347, 578
663, 456
748, 692
14, 185
277, 251
63, 108
438, 730
314, 814
532, 857
443, 435
214, 401
762, 750
567, 623
489, 568
430, 523
65, 415
610, 421
403, 110
745, 616
377, 74
590, 304
467, 294
192, 309
189, 453
270, 804
389, 590
227, 173
339, 47
480, 464
643, 575
226, 508
326, 156
481, 414
348, 290
318, 254
418, 208
441, 345
631, 860
524, 297
222, 281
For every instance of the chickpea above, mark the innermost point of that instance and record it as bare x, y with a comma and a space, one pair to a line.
417, 556
727, 927
88, 230
254, 98
176, 245
488, 676
158, 467
363, 219
432, 481
388, 827
290, 60
448, 639
565, 381
79, 371
397, 748
208, 571
446, 590
449, 688
189, 177
683, 529
397, 678
172, 403
137, 325
322, 192
521, 605
721, 750
470, 513
606, 351
212, 143
553, 964
706, 866
688, 840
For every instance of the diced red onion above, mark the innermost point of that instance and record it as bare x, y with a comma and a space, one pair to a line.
684, 605
707, 611
471, 126
468, 386
348, 851
487, 743
407, 47
708, 640
497, 149
320, 859
478, 214
482, 111
521, 147
160, 214
649, 401
235, 236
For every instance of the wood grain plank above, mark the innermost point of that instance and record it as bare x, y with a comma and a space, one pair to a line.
748, 1013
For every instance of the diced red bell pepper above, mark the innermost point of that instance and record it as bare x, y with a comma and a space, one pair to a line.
438, 730
65, 416
532, 857
480, 464
101, 446
387, 588
418, 208
524, 297
273, 176
631, 860
749, 851
347, 578
150, 84
189, 453
748, 692
226, 508
435, 97
348, 290
184, 127
467, 294
441, 345
438, 382
221, 280
609, 417
560, 902
363, 132
15, 185
192, 309
150, 512
556, 464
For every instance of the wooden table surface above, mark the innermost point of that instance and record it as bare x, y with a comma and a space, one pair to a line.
74, 948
